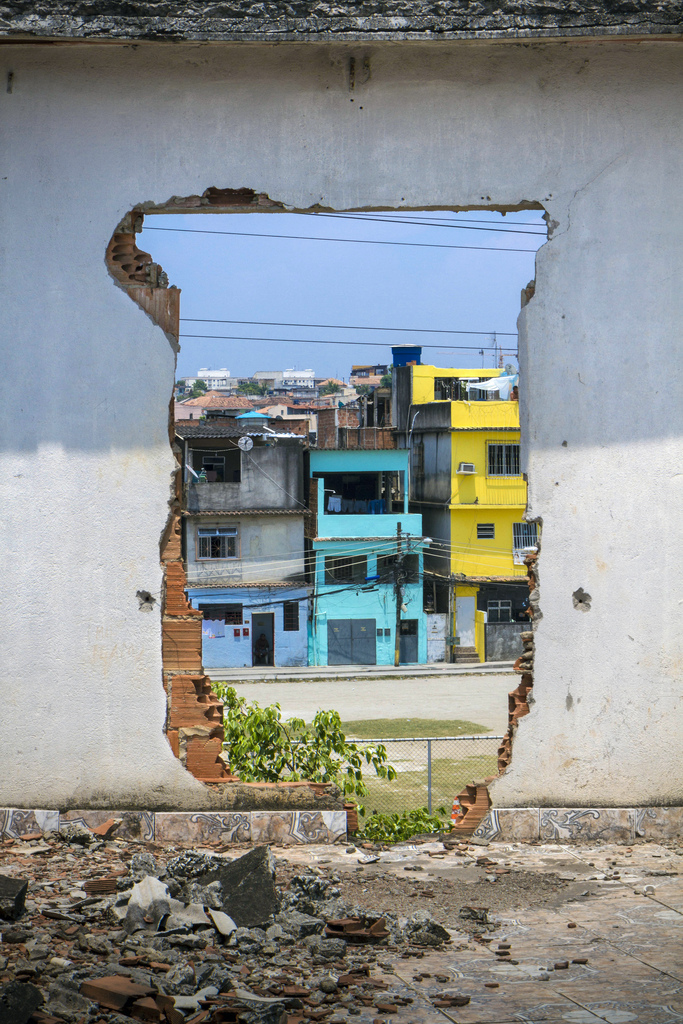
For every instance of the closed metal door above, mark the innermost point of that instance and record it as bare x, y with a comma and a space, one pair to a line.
351, 642
407, 642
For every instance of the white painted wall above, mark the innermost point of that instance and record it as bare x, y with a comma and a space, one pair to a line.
591, 130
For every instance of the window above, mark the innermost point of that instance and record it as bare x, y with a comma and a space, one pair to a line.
486, 531
345, 570
290, 614
231, 614
503, 460
524, 540
219, 542
499, 611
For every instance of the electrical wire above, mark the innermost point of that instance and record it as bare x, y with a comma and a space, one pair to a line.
409, 217
354, 344
425, 223
350, 241
343, 327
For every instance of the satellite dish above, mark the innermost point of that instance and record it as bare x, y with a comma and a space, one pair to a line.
246, 444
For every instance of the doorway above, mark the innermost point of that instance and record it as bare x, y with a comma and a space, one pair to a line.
407, 642
262, 639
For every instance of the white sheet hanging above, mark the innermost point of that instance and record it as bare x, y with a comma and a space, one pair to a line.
502, 384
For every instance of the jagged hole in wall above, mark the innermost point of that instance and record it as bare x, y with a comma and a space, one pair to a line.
194, 714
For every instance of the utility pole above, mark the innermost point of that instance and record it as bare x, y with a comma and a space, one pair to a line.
398, 574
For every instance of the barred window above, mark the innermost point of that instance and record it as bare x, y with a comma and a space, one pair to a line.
486, 531
220, 542
290, 612
503, 459
524, 540
346, 570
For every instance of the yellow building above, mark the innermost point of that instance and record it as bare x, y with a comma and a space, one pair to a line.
465, 479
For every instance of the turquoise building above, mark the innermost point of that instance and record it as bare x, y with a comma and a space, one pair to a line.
367, 559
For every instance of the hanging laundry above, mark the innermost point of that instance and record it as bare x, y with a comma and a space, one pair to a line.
334, 503
503, 385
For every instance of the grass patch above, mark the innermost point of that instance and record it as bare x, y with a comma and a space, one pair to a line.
409, 790
398, 728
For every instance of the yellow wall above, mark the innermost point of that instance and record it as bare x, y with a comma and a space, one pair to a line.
471, 446
479, 498
423, 379
484, 557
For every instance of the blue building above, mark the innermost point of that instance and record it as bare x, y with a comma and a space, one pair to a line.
367, 560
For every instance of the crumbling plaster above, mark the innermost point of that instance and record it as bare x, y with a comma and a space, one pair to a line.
591, 130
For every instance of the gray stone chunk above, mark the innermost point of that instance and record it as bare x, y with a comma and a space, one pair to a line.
18, 1001
300, 925
12, 896
249, 894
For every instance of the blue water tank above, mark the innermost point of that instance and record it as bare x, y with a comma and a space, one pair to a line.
406, 355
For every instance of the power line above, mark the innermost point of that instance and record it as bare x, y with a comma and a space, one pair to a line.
313, 341
425, 223
343, 327
351, 241
407, 218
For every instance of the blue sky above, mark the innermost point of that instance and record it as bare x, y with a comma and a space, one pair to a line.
350, 284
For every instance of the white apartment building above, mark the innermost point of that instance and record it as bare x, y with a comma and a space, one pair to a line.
298, 378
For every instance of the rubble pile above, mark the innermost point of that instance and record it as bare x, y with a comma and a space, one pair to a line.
108, 933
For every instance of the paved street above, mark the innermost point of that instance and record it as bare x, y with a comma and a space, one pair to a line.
478, 698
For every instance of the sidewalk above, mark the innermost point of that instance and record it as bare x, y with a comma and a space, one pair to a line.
305, 674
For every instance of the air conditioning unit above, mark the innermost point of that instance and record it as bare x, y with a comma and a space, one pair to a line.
466, 469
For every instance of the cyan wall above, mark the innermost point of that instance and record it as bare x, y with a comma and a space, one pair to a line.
358, 461
290, 647
342, 601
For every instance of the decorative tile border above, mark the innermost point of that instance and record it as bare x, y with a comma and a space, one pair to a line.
580, 824
500, 824
188, 827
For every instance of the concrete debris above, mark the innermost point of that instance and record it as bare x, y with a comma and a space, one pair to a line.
249, 894
18, 1001
12, 897
75, 832
142, 953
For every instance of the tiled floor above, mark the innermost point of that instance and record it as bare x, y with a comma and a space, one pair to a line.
632, 942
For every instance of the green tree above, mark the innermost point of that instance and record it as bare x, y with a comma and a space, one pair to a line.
263, 747
386, 381
252, 387
198, 388
330, 389
363, 389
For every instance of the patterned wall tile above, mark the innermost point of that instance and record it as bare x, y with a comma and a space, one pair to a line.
18, 822
136, 825
509, 825
586, 824
658, 822
203, 826
336, 825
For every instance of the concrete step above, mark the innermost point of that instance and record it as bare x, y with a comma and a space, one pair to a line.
466, 656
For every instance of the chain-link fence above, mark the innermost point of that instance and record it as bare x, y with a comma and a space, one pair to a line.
431, 771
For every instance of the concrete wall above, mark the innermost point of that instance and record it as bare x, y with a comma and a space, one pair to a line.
270, 548
590, 130
271, 478
502, 640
